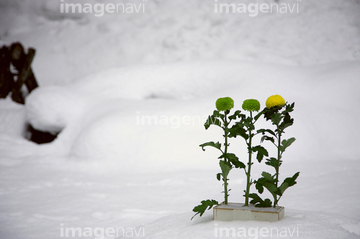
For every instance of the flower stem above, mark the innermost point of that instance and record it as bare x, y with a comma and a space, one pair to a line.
226, 131
225, 179
247, 191
226, 190
277, 166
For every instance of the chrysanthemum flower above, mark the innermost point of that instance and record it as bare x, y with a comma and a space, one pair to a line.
275, 100
251, 105
223, 104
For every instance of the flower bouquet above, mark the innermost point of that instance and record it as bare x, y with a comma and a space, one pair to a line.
235, 124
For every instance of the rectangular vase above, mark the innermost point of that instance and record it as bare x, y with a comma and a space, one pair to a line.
237, 212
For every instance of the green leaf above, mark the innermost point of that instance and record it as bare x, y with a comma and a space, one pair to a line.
283, 187
235, 115
238, 130
222, 116
267, 203
231, 156
248, 123
261, 152
267, 176
272, 162
289, 108
213, 120
268, 138
216, 145
288, 182
269, 113
288, 121
233, 159
258, 115
271, 187
267, 181
218, 176
216, 113
259, 187
286, 143
258, 202
295, 176
205, 204
238, 164
225, 168
276, 118
263, 131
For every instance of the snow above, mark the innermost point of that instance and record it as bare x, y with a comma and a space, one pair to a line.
71, 46
297, 224
13, 117
140, 112
130, 94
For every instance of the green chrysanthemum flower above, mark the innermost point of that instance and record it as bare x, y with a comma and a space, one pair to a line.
223, 104
251, 105
275, 100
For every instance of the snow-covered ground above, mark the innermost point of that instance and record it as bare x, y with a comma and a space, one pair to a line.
130, 94
74, 45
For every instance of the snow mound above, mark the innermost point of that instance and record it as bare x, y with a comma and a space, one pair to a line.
115, 113
296, 224
51, 108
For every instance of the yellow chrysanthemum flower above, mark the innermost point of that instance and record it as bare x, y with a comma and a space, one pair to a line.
251, 105
223, 104
275, 100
